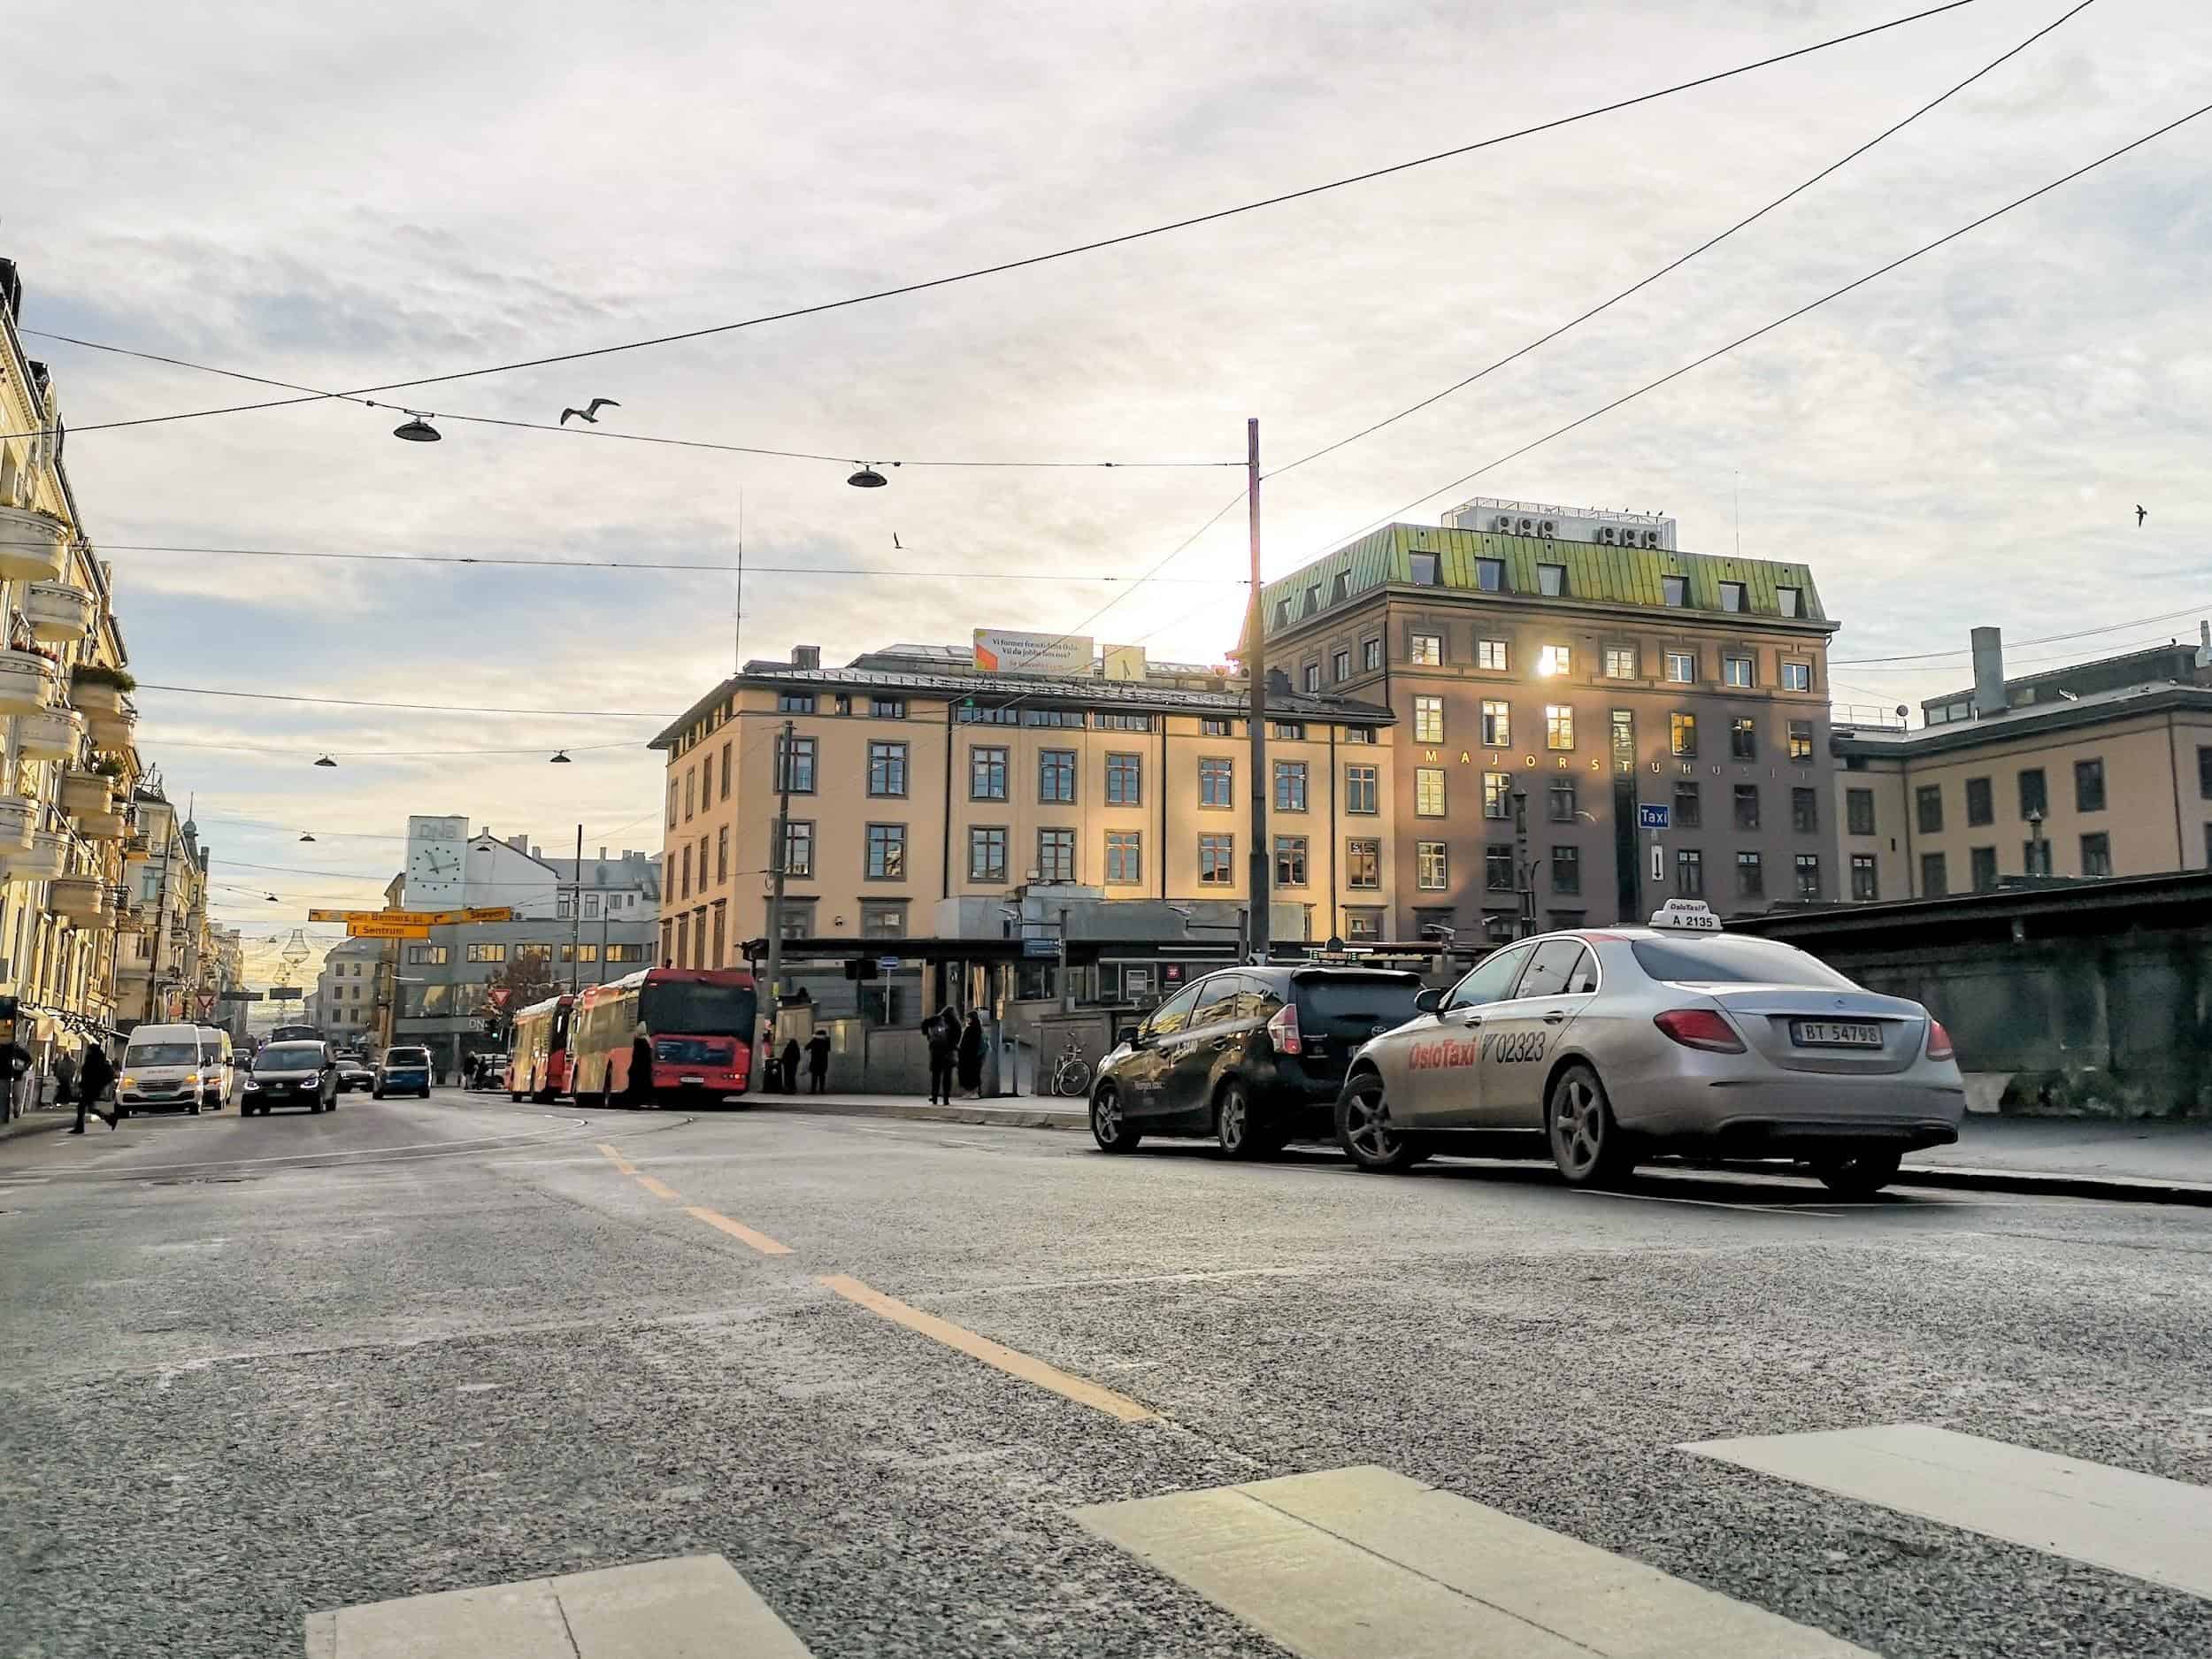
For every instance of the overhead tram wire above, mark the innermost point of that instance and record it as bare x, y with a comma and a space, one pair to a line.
1767, 329
2046, 639
1676, 264
1004, 266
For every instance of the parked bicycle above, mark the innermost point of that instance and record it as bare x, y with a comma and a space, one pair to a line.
1071, 1072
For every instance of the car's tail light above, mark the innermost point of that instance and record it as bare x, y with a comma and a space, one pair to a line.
1282, 1031
1938, 1040
1700, 1028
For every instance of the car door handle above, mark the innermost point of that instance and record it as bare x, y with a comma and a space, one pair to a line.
1554, 1016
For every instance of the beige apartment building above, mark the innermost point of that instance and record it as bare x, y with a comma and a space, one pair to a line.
2103, 769
916, 778
1576, 659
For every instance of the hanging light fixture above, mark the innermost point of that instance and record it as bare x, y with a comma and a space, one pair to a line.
273, 899
305, 837
326, 760
866, 478
560, 758
416, 429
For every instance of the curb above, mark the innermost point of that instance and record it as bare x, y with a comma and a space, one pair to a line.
39, 1123
976, 1112
2134, 1189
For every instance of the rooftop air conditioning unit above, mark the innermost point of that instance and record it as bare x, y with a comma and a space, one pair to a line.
1502, 523
1651, 538
1526, 525
1546, 529
1605, 535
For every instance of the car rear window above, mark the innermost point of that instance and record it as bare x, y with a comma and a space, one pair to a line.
407, 1056
1370, 998
291, 1056
1721, 960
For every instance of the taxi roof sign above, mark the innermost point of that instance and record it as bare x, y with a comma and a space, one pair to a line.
1688, 916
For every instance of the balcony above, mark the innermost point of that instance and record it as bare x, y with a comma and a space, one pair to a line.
102, 827
56, 612
128, 973
112, 728
80, 898
26, 681
34, 545
47, 857
49, 735
82, 794
133, 918
18, 814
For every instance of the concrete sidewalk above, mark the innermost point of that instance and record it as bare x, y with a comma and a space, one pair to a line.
45, 1120
1011, 1111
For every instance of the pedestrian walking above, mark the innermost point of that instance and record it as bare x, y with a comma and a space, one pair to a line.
790, 1079
971, 1056
641, 1067
817, 1047
64, 1077
943, 1035
93, 1079
770, 1069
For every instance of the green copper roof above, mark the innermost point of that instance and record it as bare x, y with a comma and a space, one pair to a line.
1595, 573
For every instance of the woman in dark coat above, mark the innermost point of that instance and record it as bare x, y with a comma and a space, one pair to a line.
971, 1053
641, 1067
790, 1079
944, 1047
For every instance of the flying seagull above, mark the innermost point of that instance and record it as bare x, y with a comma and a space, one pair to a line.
2140, 515
894, 541
591, 414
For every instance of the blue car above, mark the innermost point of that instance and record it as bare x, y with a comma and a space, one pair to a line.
404, 1071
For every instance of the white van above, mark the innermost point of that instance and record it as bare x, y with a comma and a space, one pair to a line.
217, 1067
163, 1066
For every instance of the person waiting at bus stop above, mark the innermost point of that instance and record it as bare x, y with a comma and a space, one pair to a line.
641, 1067
972, 1044
818, 1052
943, 1035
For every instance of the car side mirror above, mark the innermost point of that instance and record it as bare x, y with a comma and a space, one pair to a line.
1127, 1036
1428, 1001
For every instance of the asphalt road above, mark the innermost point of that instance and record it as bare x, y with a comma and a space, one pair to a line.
252, 1370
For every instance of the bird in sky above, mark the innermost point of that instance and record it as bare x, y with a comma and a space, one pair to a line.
2140, 515
894, 541
591, 414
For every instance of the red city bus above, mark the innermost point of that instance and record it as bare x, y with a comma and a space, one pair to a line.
702, 1025
537, 1054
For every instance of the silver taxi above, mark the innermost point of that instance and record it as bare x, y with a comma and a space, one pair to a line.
1623, 1043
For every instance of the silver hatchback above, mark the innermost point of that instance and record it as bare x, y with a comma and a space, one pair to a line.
1622, 1043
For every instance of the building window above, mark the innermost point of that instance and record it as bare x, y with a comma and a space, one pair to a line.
1674, 590
1361, 794
1559, 725
674, 796
1125, 859
1682, 732
1340, 666
1979, 807
1290, 785
1491, 654
1747, 806
1359, 733
1689, 805
887, 769
1290, 860
1808, 875
2204, 772
1620, 662
1428, 649
1790, 603
1428, 719
683, 877
987, 853
1681, 668
1370, 655
1800, 740
886, 852
1554, 660
1497, 794
1743, 738
486, 953
1490, 575
794, 765
1566, 870
1428, 792
1982, 861
1362, 865
691, 780
1797, 676
721, 868
1864, 883
1288, 731
1928, 809
973, 713
879, 919
1215, 728
2034, 796
1053, 716
887, 708
1497, 869
1217, 861
1497, 724
1624, 740
1933, 882
798, 847
1735, 671
1362, 924
426, 955
1312, 678
1125, 780
1805, 811
2096, 854
726, 772
1751, 875
1731, 596
2089, 785
1858, 809
1689, 872
1551, 581
1217, 781
1055, 854
795, 703
1056, 775
1432, 866
1423, 569
2035, 855
1123, 722
987, 774
1559, 796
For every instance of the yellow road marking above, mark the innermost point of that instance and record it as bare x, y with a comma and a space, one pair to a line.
617, 1159
760, 1241
660, 1189
1014, 1364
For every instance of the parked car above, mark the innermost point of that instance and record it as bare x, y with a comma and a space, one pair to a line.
354, 1072
1609, 1045
1253, 1056
291, 1074
403, 1071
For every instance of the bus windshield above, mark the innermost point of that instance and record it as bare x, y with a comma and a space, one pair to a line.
691, 1005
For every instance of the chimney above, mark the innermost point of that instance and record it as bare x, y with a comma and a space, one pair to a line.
603, 855
1989, 672
806, 656
534, 849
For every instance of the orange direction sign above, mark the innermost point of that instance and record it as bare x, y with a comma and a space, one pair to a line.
414, 919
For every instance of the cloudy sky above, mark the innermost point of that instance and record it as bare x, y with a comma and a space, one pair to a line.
342, 196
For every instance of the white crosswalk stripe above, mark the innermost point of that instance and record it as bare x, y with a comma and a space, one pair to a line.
691, 1607
2143, 1525
1365, 1563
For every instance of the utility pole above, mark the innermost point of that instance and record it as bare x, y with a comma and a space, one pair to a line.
161, 917
575, 914
1256, 665
784, 758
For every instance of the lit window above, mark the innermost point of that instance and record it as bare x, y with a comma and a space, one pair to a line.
1490, 654
1620, 662
1432, 866
1497, 724
1428, 792
1800, 740
1428, 649
1428, 719
1497, 794
1683, 733
1559, 725
1554, 659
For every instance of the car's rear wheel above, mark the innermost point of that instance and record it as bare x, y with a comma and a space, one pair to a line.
1108, 1127
1586, 1144
1364, 1130
1237, 1125
1857, 1174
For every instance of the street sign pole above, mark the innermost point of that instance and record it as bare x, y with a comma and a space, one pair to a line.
1258, 864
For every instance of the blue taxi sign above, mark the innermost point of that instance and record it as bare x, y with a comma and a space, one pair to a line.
1653, 815
1688, 915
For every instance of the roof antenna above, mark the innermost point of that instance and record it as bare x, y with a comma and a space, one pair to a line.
737, 643
1740, 513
